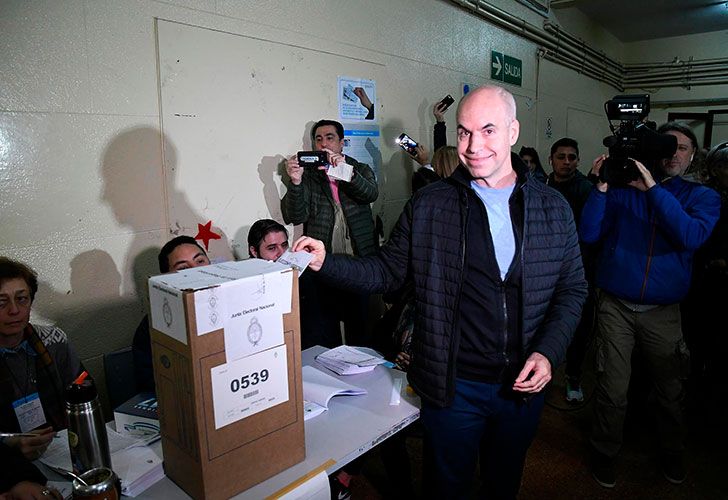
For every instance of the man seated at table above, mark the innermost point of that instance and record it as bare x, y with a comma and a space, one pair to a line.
182, 252
268, 239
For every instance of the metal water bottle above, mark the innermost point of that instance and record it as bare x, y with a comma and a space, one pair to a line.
87, 437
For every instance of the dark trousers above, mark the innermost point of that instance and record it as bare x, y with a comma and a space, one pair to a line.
480, 419
579, 344
667, 361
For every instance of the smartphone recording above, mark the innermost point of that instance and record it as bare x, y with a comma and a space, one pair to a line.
312, 159
405, 142
446, 102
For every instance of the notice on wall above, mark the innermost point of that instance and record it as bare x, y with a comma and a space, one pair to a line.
357, 99
249, 385
361, 142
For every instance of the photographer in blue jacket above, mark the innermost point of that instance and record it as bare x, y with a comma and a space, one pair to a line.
649, 230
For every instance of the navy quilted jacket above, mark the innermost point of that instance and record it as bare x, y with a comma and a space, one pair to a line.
429, 240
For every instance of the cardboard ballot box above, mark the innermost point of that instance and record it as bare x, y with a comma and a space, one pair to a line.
227, 367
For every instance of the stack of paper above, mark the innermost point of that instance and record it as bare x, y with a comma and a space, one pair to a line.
319, 388
137, 464
347, 360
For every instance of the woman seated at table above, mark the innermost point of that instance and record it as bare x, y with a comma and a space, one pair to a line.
37, 363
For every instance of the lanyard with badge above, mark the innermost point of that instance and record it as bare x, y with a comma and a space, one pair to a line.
28, 408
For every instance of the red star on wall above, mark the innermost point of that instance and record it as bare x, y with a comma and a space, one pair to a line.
205, 233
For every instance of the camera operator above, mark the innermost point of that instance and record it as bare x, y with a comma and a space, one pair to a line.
649, 230
338, 213
687, 147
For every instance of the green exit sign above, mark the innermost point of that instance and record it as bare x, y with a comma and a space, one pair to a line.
505, 68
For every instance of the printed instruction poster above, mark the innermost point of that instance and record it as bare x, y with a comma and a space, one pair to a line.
357, 99
361, 142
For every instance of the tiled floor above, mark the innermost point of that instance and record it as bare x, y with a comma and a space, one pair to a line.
556, 466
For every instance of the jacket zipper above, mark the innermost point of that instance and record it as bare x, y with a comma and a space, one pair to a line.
649, 259
455, 336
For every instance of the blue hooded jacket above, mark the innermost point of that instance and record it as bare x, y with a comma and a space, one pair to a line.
648, 238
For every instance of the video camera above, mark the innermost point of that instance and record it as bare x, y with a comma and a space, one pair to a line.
634, 139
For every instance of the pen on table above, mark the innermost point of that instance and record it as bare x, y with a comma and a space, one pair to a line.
17, 434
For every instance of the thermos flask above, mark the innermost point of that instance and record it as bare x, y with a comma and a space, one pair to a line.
87, 437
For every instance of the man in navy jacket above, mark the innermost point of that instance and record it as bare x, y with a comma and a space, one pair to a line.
499, 287
648, 232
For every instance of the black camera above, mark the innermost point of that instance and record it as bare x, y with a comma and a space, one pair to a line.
312, 159
634, 139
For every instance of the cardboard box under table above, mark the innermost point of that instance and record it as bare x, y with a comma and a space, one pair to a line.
227, 366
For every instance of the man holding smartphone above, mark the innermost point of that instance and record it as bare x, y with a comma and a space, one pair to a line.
335, 211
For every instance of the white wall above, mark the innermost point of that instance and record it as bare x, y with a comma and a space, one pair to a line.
84, 193
700, 46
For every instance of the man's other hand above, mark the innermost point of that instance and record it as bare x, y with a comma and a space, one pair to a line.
294, 170
314, 247
334, 158
534, 376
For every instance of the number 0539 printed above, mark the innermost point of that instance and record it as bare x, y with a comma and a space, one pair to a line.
249, 385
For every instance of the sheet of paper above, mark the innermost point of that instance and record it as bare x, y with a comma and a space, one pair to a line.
350, 354
311, 409
254, 317
58, 453
246, 386
210, 310
297, 260
348, 360
132, 464
315, 488
320, 387
247, 334
342, 171
167, 310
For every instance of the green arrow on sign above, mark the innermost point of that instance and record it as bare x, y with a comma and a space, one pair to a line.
496, 65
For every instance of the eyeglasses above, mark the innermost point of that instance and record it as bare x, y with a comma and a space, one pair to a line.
570, 157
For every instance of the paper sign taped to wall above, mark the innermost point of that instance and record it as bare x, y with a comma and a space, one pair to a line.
249, 385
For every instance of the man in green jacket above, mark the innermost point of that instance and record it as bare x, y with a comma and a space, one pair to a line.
336, 211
